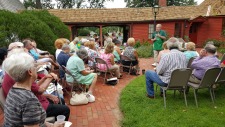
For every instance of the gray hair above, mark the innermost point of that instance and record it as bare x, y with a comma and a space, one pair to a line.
108, 40
82, 53
15, 51
173, 43
76, 39
210, 48
65, 47
210, 42
17, 65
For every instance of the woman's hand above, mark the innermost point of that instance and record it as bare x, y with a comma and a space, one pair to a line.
55, 99
56, 124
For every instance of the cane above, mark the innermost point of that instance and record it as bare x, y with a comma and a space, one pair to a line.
57, 91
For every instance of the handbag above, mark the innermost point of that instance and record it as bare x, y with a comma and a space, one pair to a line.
78, 99
112, 81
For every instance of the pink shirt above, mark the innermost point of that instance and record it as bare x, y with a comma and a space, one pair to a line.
107, 59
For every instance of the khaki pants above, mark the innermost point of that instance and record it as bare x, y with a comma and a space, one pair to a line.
156, 53
116, 69
193, 79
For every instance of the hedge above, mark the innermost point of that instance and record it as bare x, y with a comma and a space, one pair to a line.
31, 24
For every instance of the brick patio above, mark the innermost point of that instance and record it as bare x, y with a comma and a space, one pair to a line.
104, 112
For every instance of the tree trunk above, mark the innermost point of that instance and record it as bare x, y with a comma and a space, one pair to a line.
38, 4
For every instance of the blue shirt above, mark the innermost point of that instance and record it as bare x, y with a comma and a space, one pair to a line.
34, 54
62, 60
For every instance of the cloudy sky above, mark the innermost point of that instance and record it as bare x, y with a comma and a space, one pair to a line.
122, 4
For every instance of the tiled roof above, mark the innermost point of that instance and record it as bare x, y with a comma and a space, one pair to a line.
11, 5
134, 14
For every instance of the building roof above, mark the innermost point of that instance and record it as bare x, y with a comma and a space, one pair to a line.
11, 5
137, 14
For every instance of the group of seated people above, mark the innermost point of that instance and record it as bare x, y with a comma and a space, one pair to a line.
171, 58
70, 57
27, 103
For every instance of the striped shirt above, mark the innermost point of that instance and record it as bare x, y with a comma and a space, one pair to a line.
169, 62
23, 108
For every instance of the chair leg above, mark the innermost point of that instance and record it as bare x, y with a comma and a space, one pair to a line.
105, 77
185, 98
214, 97
196, 101
211, 94
164, 98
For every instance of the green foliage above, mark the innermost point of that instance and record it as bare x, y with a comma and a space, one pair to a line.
151, 3
83, 32
18, 26
140, 111
54, 23
137, 44
220, 44
145, 51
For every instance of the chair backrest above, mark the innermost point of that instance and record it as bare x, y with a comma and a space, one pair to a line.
67, 72
101, 61
190, 62
223, 58
209, 77
2, 99
179, 78
221, 77
122, 57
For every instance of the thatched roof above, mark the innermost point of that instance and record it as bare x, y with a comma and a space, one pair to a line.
135, 14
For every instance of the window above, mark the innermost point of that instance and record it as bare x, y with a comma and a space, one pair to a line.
150, 31
177, 32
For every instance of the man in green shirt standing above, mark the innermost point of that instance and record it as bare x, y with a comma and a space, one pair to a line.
158, 37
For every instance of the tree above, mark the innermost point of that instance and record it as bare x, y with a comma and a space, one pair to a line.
65, 4
151, 3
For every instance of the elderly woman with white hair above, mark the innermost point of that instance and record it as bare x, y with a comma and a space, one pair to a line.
22, 107
168, 63
76, 66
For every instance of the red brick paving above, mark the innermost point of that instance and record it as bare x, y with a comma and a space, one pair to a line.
104, 112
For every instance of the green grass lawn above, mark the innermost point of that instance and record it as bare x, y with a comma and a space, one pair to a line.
140, 111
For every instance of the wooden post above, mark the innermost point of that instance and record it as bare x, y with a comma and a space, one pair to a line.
100, 32
71, 32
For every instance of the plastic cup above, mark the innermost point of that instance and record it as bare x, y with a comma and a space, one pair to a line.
61, 118
143, 71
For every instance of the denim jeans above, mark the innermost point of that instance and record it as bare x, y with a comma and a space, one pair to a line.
151, 77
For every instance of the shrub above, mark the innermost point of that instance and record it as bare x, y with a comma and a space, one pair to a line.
54, 23
218, 43
83, 32
38, 25
137, 44
37, 30
8, 27
145, 51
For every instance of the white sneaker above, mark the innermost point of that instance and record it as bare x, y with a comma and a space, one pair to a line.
154, 64
90, 97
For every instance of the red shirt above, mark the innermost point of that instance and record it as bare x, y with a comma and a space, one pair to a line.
224, 62
8, 82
